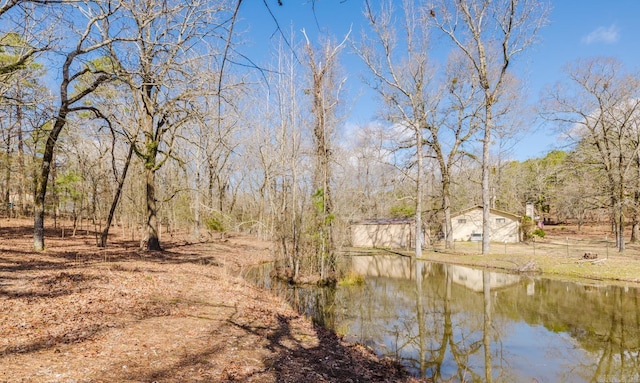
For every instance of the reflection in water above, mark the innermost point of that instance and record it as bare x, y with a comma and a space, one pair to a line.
455, 323
486, 329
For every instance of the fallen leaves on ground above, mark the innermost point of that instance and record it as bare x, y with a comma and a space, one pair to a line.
76, 313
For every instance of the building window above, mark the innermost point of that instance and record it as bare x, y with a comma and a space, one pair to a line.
501, 220
462, 220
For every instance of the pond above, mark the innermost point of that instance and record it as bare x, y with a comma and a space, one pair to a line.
456, 323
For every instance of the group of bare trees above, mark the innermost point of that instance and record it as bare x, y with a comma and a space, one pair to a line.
599, 108
135, 69
133, 113
444, 111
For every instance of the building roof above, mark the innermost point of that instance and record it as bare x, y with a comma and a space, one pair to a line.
494, 211
384, 221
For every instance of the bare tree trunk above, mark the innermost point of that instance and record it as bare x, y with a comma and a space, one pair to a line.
21, 170
7, 177
116, 198
42, 180
621, 244
152, 240
486, 185
325, 92
54, 195
635, 219
635, 222
322, 200
446, 207
419, 192
196, 208
619, 222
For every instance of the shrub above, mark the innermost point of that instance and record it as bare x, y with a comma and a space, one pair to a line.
214, 224
539, 233
526, 227
402, 211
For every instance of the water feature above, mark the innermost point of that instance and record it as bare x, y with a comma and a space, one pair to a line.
455, 323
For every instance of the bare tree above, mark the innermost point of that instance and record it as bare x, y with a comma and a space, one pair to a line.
403, 83
367, 178
79, 78
282, 183
580, 188
26, 32
460, 121
490, 34
119, 132
325, 90
635, 207
599, 107
22, 101
159, 61
214, 143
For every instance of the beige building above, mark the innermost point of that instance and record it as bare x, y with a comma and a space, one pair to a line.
467, 225
393, 233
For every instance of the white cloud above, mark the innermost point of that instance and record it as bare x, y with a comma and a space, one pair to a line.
606, 35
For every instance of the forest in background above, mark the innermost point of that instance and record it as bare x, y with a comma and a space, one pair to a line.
138, 116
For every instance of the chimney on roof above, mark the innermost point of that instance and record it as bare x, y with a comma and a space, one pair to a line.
529, 210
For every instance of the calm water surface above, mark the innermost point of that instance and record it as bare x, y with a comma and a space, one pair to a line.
455, 323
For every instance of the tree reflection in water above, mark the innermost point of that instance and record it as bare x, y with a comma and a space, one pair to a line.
454, 323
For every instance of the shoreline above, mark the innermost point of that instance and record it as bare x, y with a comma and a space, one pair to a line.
549, 261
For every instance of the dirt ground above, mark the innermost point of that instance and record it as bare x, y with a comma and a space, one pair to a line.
77, 313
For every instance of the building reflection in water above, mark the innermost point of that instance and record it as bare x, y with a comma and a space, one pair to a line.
455, 323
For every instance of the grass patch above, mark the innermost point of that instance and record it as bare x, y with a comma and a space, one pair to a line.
351, 279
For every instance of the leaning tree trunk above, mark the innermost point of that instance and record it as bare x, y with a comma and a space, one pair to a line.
116, 198
41, 182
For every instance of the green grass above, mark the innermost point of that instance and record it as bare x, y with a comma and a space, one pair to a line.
351, 279
559, 257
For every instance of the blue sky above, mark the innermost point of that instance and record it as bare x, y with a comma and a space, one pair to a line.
576, 29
